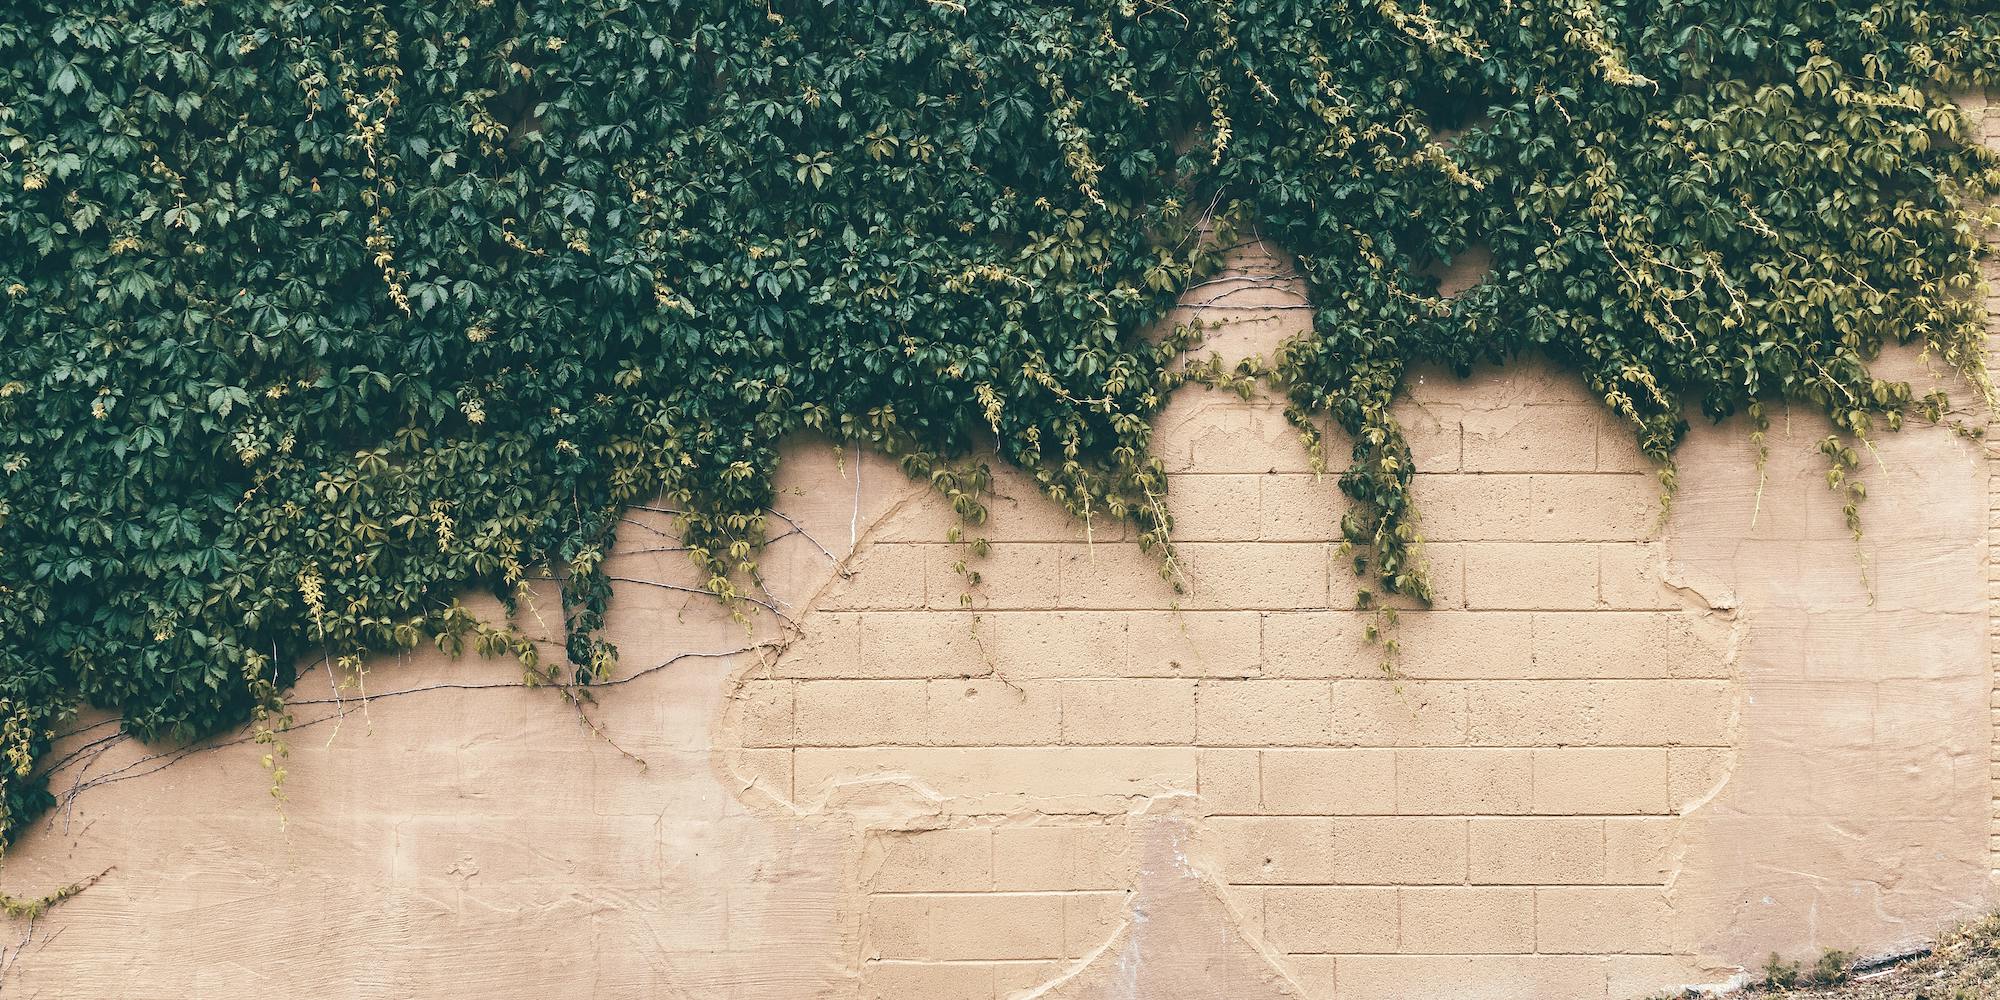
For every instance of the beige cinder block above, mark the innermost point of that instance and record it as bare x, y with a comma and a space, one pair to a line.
1617, 756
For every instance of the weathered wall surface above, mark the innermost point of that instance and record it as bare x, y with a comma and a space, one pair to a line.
1616, 756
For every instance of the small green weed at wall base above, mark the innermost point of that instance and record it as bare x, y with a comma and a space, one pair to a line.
319, 314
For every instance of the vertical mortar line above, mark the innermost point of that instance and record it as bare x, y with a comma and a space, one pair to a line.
1534, 766
1667, 796
1199, 757
1467, 827
1397, 891
1396, 796
792, 737
1535, 917
1264, 913
1261, 806
1534, 666
1464, 577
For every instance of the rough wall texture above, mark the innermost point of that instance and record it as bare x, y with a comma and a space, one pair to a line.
1617, 756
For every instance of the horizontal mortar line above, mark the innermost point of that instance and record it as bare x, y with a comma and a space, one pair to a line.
1482, 954
1046, 609
1305, 954
1241, 746
963, 961
1447, 885
1273, 885
1285, 608
1332, 474
1019, 678
974, 962
1306, 679
998, 892
1441, 815
1096, 609
915, 609
1283, 679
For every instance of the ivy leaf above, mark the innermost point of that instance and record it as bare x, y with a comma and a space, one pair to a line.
226, 398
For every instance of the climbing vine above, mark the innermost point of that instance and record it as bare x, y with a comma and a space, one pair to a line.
318, 314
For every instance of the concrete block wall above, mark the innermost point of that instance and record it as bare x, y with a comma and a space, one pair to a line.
1505, 802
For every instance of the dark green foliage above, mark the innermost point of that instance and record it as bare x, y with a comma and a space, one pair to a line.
1779, 974
1833, 968
319, 313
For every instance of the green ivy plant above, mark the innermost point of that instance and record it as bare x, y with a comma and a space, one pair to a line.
321, 312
